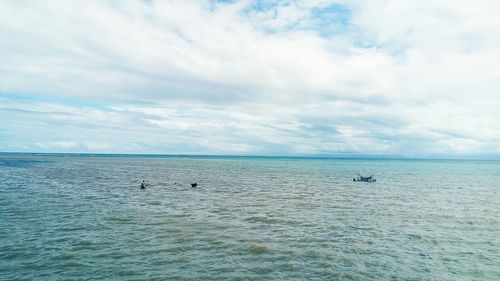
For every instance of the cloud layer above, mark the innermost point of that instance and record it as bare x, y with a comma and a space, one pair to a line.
250, 77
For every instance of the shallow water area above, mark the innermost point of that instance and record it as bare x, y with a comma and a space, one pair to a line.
75, 217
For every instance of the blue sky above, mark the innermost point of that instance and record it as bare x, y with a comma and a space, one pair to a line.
319, 77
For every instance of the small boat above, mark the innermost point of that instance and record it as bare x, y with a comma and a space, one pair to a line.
359, 177
194, 184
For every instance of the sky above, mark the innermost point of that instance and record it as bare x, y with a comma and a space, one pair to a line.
251, 77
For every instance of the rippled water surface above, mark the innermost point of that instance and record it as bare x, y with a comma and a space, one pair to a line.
81, 217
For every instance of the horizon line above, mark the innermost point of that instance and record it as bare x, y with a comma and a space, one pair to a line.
481, 157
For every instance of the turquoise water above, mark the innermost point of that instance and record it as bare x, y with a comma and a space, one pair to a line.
84, 218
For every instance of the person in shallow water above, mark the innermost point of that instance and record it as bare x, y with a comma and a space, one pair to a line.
143, 184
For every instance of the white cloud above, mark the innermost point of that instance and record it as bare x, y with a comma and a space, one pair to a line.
198, 77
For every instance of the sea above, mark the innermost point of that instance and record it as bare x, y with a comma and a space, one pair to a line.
84, 217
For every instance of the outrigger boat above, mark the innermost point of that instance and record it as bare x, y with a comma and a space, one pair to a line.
359, 177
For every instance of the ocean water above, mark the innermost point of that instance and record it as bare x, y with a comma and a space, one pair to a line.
70, 217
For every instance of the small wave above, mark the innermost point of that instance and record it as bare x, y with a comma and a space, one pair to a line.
415, 236
64, 256
264, 219
287, 266
120, 220
258, 248
273, 220
156, 279
74, 264
85, 245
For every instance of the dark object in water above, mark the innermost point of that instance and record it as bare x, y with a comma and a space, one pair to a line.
143, 185
194, 184
370, 178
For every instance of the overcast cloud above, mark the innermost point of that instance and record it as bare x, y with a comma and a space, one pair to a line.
388, 77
